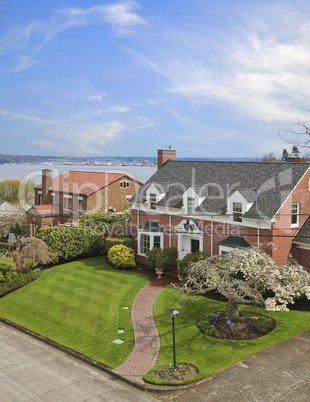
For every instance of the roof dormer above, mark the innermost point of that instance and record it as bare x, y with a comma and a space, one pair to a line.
239, 202
192, 198
154, 193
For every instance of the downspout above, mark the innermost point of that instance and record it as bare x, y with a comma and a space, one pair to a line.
258, 237
170, 230
211, 236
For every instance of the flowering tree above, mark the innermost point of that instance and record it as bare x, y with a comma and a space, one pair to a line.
12, 216
243, 276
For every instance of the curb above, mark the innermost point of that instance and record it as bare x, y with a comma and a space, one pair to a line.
143, 386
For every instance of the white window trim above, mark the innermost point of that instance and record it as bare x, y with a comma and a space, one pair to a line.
225, 249
295, 225
152, 235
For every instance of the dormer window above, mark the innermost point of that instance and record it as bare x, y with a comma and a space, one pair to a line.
153, 200
190, 205
237, 211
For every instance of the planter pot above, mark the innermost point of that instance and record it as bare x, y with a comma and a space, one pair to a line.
159, 272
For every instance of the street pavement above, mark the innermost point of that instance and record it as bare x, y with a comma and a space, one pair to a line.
31, 370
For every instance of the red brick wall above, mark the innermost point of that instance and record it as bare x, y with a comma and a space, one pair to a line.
302, 256
220, 231
282, 230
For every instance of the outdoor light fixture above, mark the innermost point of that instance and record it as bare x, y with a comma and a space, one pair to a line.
173, 313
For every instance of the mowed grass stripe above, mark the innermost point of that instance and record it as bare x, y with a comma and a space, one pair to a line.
79, 305
211, 355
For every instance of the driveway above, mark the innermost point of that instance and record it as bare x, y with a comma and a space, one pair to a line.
32, 370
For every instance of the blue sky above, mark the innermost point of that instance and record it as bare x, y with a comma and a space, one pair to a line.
211, 78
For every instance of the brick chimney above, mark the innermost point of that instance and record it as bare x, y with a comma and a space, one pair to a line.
165, 154
46, 185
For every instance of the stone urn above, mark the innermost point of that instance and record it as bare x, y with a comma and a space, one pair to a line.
159, 272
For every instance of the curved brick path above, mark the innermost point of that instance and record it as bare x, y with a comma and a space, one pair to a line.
146, 337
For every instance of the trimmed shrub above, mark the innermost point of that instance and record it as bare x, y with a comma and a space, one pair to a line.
151, 257
169, 258
113, 241
170, 255
12, 279
71, 242
189, 259
101, 221
121, 256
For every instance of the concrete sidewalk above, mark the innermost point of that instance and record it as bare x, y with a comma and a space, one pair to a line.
279, 373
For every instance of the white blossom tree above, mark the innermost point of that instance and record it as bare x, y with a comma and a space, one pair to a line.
13, 215
243, 276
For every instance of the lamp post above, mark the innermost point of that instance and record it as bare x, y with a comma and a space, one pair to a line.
173, 313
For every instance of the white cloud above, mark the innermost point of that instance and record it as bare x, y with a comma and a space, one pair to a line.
23, 63
121, 16
30, 118
66, 137
116, 109
97, 97
261, 68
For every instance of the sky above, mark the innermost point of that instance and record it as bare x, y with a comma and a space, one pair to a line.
124, 78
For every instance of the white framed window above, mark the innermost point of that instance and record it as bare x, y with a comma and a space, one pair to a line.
237, 211
153, 200
190, 205
147, 241
295, 214
124, 184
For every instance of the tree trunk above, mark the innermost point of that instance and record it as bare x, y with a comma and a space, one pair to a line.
232, 310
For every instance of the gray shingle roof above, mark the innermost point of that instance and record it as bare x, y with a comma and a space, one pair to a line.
234, 241
271, 182
303, 236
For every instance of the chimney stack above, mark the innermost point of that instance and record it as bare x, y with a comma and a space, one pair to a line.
46, 185
165, 154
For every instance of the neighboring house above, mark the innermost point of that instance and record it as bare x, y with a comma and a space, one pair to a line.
216, 206
68, 196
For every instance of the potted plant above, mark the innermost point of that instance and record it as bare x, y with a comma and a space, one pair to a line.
159, 265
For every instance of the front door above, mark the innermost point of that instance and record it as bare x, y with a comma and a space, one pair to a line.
194, 245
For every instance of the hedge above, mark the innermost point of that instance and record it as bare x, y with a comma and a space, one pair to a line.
112, 241
12, 279
71, 242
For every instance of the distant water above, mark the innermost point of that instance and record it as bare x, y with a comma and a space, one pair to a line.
34, 172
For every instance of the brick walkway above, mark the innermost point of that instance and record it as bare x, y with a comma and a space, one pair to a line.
146, 337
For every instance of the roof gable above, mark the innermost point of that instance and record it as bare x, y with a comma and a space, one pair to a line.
86, 183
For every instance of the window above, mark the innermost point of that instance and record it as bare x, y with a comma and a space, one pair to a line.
144, 243
295, 214
156, 242
39, 199
81, 205
67, 203
237, 211
124, 184
147, 241
153, 201
191, 206
53, 199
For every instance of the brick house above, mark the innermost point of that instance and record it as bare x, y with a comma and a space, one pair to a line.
216, 206
68, 196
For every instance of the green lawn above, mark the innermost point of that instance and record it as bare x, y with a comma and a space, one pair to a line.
211, 355
79, 305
